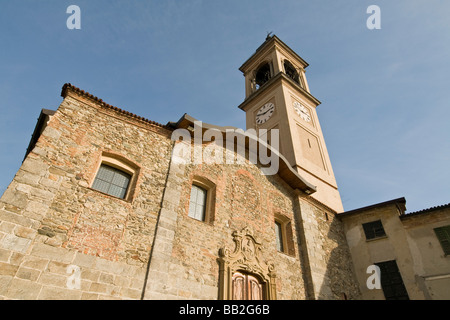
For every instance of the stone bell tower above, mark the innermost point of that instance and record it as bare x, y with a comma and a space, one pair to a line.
278, 97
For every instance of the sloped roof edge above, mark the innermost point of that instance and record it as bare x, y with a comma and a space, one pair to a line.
425, 211
399, 202
286, 172
81, 92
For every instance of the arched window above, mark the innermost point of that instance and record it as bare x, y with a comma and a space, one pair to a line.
116, 176
112, 181
291, 72
262, 75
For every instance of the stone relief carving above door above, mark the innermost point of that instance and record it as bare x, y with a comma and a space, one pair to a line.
245, 259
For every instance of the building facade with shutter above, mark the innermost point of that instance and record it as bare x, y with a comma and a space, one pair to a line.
110, 205
413, 248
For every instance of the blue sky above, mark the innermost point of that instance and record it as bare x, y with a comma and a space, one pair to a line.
385, 97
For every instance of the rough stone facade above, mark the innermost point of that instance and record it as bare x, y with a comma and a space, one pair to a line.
244, 198
52, 221
331, 273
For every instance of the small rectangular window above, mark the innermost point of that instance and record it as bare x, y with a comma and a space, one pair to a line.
374, 230
284, 236
112, 181
443, 235
197, 205
279, 236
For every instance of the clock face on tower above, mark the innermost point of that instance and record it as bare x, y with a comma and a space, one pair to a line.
265, 112
302, 111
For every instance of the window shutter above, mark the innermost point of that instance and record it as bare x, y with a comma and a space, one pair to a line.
373, 230
443, 235
391, 281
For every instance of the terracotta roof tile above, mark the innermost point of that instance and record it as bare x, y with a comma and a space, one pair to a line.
429, 210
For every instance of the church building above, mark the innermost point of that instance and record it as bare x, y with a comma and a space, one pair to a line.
110, 205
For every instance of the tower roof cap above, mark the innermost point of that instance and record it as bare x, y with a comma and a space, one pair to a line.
271, 40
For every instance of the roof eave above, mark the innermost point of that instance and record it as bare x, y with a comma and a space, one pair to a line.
399, 202
68, 88
286, 172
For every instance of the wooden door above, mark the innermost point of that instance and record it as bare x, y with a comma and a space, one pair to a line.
246, 287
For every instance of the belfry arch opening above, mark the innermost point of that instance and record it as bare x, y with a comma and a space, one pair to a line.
263, 74
291, 72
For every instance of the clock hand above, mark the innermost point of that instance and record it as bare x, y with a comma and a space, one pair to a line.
263, 113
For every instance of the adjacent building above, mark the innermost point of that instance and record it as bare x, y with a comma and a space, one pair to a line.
412, 250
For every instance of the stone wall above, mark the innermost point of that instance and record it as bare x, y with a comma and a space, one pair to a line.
244, 198
55, 229
51, 219
318, 267
329, 260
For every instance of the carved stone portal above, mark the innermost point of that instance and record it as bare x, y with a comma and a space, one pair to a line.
246, 258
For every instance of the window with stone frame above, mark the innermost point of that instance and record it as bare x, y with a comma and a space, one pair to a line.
284, 235
197, 204
112, 181
116, 176
202, 200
